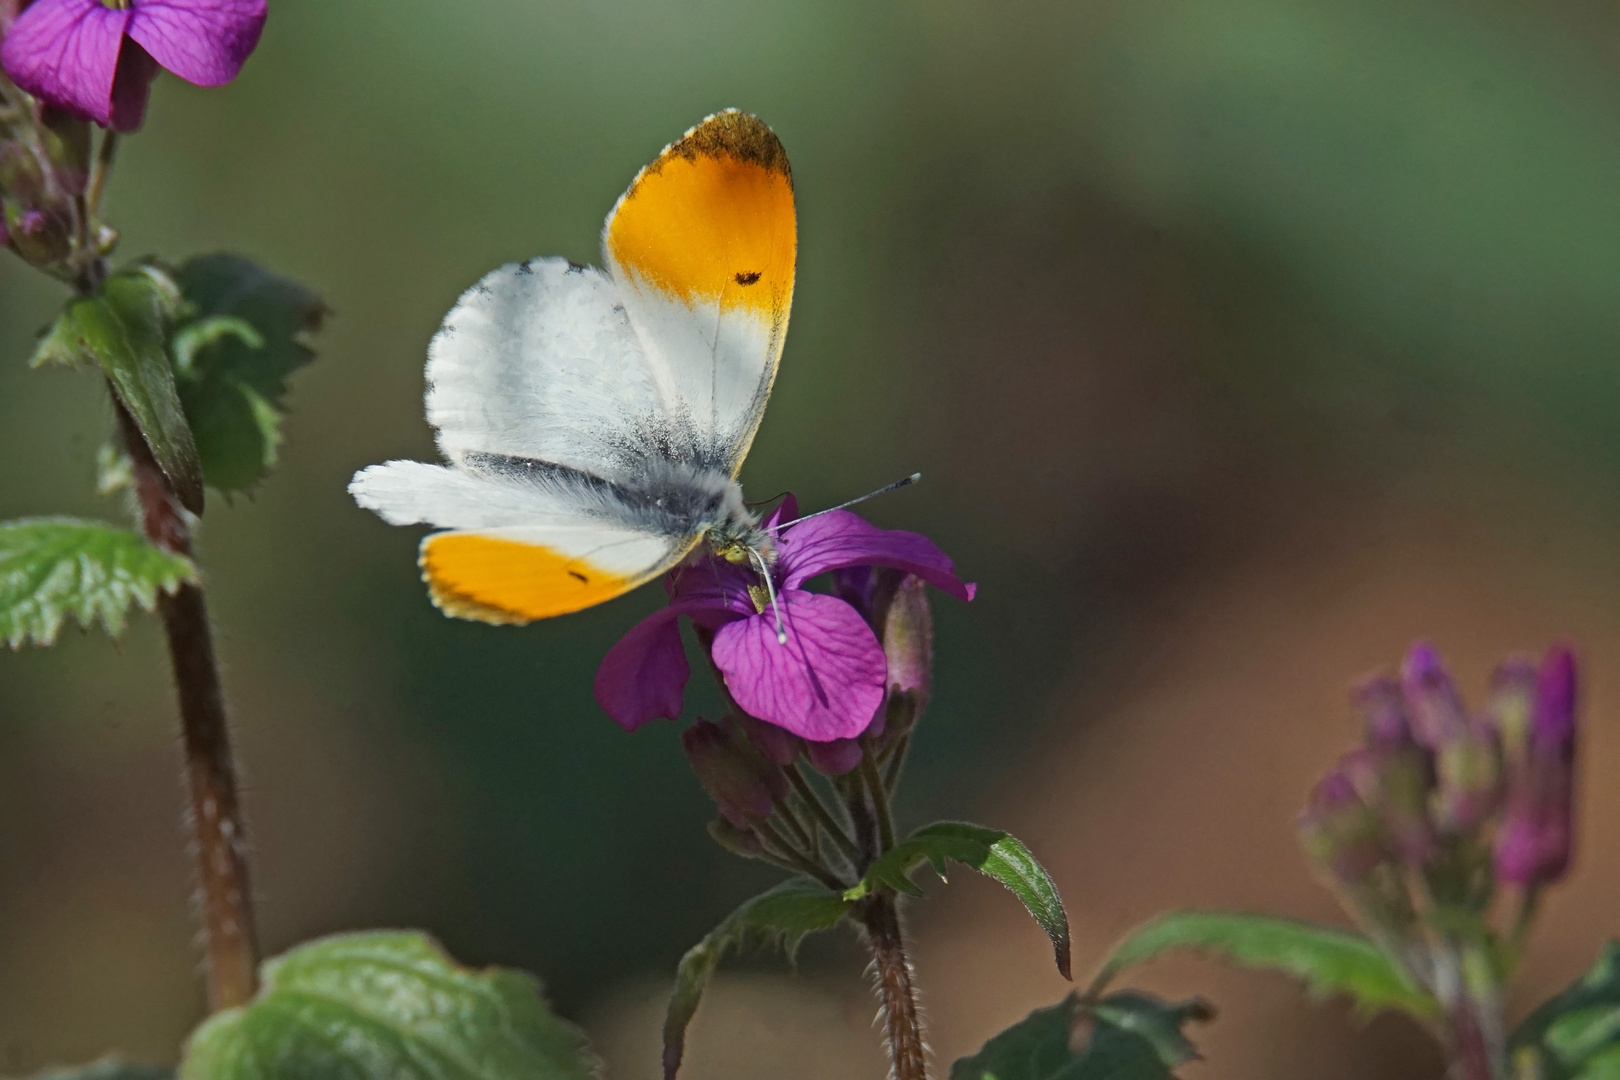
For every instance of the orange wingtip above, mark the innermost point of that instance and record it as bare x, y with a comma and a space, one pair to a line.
712, 217
494, 580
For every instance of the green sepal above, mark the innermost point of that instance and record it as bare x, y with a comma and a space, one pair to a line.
781, 916
1326, 960
989, 851
1576, 1034
108, 1068
386, 1006
238, 339
123, 329
51, 568
1125, 1036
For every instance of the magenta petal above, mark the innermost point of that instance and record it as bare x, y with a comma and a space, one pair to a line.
132, 86
825, 683
841, 539
202, 41
65, 52
786, 510
643, 677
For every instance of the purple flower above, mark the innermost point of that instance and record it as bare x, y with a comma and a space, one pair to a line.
829, 679
1534, 841
97, 59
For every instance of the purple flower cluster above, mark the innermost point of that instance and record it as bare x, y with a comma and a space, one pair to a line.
1436, 790
826, 683
97, 58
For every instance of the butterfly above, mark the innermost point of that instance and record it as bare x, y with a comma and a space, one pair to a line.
593, 421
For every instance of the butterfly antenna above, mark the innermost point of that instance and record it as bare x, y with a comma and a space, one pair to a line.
770, 590
884, 490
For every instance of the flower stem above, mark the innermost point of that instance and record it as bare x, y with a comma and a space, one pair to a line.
229, 939
896, 761
98, 180
818, 808
891, 969
782, 848
880, 802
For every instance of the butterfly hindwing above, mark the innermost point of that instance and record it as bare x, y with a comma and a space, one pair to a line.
514, 551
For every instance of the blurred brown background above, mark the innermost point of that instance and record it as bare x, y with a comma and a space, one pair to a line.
1240, 342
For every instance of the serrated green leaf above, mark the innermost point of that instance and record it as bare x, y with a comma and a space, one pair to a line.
51, 568
240, 339
108, 1068
123, 330
989, 851
1328, 961
386, 1006
783, 916
1125, 1036
1577, 1033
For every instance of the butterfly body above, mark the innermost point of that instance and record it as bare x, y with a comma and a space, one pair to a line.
593, 421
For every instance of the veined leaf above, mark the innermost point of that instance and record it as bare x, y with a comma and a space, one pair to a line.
990, 852
1328, 961
233, 349
1125, 1036
123, 329
1575, 1035
784, 915
386, 1006
108, 1068
51, 568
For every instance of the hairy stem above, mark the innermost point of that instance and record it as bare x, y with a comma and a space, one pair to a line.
99, 172
891, 968
229, 940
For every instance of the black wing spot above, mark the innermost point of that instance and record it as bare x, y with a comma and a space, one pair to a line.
579, 576
747, 277
524, 267
483, 290
574, 267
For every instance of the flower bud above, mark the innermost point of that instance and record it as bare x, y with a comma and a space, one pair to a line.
778, 745
1339, 830
1468, 775
38, 215
908, 639
1398, 776
1432, 700
736, 776
737, 841
1511, 706
834, 758
1534, 841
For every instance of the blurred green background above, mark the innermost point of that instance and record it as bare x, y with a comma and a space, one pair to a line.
1134, 283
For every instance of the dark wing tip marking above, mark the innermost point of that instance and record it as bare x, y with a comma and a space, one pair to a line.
525, 267
574, 267
747, 277
734, 134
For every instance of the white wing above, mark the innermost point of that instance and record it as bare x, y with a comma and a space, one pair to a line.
538, 360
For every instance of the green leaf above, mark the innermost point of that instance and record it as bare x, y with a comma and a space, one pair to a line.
1576, 1033
386, 1006
782, 916
1328, 961
238, 341
990, 852
51, 568
1125, 1036
108, 1068
123, 329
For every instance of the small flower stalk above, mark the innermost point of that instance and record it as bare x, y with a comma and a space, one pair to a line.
1445, 823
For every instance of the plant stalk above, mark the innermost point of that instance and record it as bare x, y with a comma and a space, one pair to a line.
229, 937
891, 969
